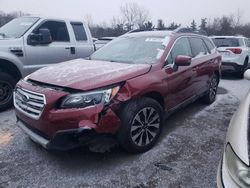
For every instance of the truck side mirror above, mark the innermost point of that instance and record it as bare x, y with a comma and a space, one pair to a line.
43, 37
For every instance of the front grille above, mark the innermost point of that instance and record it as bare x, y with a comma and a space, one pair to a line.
29, 102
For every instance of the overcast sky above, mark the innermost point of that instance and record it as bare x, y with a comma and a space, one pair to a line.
180, 11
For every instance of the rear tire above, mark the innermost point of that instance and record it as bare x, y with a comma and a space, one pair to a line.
7, 85
210, 95
142, 122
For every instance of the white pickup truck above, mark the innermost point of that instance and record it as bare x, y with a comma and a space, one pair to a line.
30, 43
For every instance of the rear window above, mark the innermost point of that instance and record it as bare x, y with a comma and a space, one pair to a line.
226, 42
79, 31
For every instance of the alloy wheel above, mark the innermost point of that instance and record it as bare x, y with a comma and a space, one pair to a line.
213, 88
145, 126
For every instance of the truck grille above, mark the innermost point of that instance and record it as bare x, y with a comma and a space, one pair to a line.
29, 102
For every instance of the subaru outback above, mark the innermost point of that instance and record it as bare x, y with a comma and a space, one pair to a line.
123, 91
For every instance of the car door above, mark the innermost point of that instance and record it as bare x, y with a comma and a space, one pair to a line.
179, 79
202, 63
58, 51
84, 45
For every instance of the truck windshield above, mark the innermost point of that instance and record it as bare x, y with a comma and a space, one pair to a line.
133, 50
17, 27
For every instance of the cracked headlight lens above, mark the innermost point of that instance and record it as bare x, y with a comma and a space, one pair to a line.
83, 100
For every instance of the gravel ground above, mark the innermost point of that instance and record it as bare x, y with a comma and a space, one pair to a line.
187, 154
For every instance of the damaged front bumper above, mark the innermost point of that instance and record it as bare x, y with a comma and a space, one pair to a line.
62, 140
66, 139
63, 129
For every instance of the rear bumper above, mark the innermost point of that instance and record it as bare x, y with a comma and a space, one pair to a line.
62, 140
229, 67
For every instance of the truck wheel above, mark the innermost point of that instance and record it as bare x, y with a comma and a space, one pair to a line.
7, 84
210, 95
142, 121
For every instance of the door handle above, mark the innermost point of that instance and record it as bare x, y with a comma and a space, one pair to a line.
72, 50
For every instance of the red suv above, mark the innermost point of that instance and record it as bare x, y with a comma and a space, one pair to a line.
122, 91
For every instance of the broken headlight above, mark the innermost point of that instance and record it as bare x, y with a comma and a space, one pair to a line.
83, 100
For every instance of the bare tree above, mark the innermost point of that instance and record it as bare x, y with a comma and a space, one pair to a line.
236, 18
143, 16
89, 20
116, 21
134, 15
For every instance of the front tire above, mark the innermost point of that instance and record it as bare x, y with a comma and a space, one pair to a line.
7, 84
210, 95
142, 121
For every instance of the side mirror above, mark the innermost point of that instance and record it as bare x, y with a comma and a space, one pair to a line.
247, 74
43, 37
94, 39
182, 60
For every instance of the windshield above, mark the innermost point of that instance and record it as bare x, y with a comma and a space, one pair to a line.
17, 27
226, 42
133, 50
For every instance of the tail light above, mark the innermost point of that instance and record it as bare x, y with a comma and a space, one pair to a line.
235, 50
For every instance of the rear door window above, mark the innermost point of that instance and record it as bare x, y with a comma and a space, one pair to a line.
79, 31
198, 47
211, 47
181, 47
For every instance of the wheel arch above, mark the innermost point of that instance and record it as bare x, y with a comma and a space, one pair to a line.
247, 58
218, 74
156, 96
10, 68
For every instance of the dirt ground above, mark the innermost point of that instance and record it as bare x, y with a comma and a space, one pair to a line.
187, 154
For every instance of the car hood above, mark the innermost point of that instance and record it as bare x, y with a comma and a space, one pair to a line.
88, 74
238, 131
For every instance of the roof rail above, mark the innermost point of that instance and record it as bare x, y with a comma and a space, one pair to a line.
190, 30
140, 30
178, 30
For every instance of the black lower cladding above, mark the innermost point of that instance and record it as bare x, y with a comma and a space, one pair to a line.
72, 138
66, 139
231, 67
